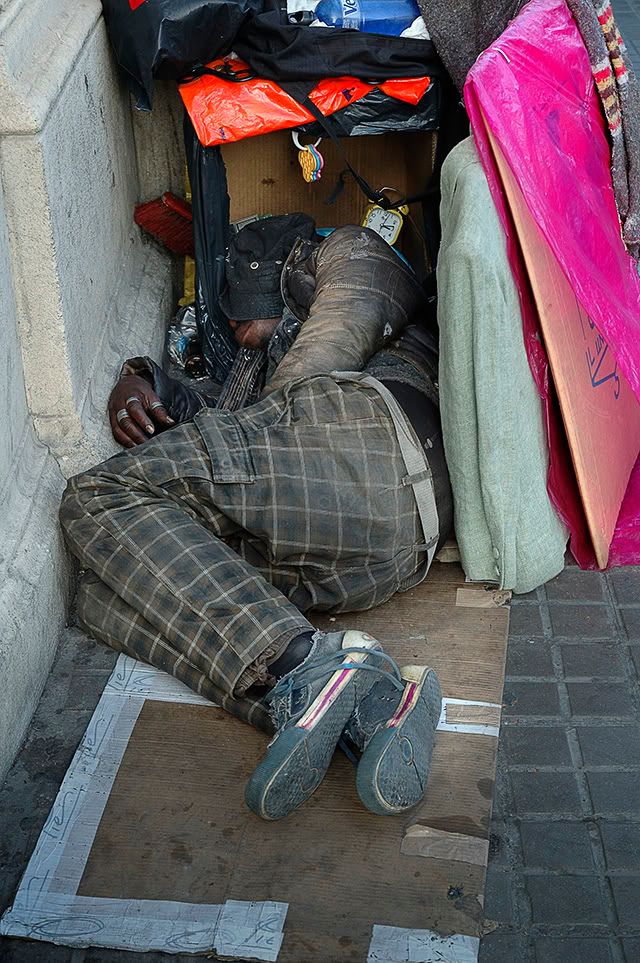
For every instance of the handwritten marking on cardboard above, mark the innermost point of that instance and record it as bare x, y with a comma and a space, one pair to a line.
394, 944
602, 365
251, 930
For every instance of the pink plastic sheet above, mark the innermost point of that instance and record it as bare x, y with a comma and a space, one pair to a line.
535, 89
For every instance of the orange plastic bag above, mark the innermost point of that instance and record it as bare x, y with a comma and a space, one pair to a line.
223, 109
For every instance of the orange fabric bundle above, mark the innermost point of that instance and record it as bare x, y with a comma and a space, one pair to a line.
223, 110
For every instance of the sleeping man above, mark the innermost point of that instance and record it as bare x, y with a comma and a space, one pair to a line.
317, 481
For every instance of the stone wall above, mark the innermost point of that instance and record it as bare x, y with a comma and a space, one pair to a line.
80, 289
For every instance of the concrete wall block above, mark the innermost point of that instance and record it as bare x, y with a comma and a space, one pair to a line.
13, 400
34, 589
34, 572
80, 289
160, 144
79, 262
40, 41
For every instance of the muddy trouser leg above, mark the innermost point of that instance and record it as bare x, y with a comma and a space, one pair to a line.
219, 534
106, 617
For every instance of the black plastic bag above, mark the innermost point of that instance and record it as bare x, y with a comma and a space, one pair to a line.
169, 38
285, 52
378, 113
210, 206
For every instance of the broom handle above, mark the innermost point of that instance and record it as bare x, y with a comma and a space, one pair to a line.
178, 205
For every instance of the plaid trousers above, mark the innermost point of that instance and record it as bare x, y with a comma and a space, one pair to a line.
204, 547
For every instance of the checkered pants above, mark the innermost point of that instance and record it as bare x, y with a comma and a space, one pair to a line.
203, 547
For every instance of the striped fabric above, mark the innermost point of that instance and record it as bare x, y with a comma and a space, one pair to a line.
618, 89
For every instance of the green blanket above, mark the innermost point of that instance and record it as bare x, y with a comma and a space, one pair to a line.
492, 420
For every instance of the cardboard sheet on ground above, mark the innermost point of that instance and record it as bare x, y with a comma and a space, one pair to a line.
149, 845
533, 94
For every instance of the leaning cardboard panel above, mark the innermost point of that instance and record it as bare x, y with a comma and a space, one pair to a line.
150, 846
601, 414
537, 98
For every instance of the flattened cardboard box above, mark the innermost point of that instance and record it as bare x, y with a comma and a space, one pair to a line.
150, 844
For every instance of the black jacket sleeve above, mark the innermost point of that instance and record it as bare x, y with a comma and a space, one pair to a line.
181, 401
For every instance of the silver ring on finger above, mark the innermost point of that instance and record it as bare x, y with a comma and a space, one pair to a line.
132, 398
122, 415
156, 404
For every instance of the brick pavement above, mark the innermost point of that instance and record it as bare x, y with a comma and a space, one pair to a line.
564, 872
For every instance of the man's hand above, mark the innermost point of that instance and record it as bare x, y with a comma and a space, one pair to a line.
135, 411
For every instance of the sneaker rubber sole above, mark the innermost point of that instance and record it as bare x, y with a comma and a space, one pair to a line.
393, 772
297, 760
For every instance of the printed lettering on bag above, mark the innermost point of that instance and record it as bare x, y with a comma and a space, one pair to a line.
351, 14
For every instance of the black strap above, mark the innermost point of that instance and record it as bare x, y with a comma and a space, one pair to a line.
300, 92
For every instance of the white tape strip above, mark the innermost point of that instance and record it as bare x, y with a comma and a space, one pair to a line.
131, 677
251, 929
469, 727
392, 944
47, 907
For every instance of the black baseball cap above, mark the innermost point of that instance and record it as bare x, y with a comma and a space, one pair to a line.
254, 264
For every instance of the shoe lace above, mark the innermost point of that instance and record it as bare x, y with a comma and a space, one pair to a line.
280, 698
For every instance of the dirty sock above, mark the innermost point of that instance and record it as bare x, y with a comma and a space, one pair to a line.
295, 653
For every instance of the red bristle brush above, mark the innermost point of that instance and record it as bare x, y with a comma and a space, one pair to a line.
169, 219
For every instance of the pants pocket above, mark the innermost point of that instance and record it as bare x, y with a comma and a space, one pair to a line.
227, 446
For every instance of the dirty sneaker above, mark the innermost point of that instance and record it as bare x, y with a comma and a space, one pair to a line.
310, 707
394, 730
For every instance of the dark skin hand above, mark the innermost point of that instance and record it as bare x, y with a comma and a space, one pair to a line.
146, 415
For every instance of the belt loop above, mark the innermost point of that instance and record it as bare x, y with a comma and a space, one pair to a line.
418, 477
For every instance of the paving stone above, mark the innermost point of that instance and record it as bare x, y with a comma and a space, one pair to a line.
610, 745
631, 620
592, 661
525, 620
501, 789
580, 621
531, 699
621, 843
32, 951
573, 583
626, 585
498, 895
631, 949
615, 792
635, 655
565, 899
558, 845
600, 699
529, 657
572, 950
626, 893
535, 746
502, 948
500, 843
545, 792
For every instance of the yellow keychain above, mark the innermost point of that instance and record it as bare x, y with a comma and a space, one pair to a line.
310, 159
